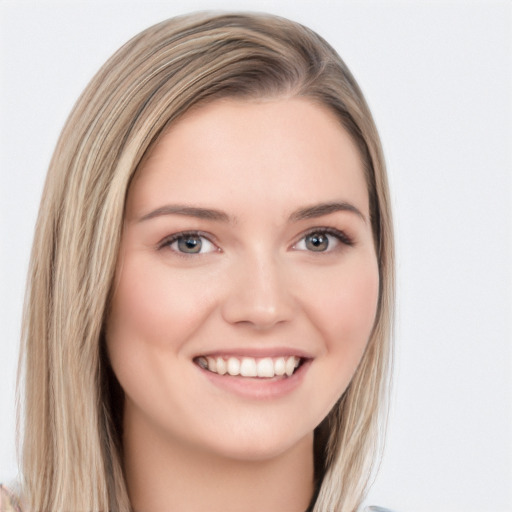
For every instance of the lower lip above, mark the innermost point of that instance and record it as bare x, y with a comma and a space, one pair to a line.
258, 388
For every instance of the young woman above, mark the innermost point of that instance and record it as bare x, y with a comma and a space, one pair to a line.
211, 287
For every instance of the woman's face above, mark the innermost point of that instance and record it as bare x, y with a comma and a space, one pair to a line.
247, 247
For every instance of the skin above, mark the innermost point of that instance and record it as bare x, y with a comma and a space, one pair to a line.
257, 285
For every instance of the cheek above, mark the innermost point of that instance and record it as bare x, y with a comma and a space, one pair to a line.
154, 312
356, 304
342, 307
154, 307
346, 313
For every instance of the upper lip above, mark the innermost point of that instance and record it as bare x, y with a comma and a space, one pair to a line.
257, 353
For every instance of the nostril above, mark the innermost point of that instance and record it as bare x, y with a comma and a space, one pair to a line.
258, 296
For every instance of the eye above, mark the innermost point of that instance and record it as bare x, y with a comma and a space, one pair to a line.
189, 243
322, 240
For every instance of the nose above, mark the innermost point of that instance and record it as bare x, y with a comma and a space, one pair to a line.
259, 295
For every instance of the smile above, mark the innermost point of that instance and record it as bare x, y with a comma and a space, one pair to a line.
266, 367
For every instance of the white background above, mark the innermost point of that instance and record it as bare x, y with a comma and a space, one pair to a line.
438, 78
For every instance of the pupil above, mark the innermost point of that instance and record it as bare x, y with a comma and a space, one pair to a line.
317, 242
191, 244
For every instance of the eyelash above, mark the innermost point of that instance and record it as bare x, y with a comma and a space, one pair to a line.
336, 233
341, 236
168, 241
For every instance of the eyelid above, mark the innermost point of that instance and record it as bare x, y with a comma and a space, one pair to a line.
170, 239
340, 235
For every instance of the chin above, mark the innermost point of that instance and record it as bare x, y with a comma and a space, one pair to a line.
260, 443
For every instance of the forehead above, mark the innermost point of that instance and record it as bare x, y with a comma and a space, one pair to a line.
252, 154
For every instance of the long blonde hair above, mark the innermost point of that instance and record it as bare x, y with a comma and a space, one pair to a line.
71, 452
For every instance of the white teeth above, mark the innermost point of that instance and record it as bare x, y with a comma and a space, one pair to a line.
221, 366
212, 364
290, 366
266, 367
233, 366
248, 367
280, 366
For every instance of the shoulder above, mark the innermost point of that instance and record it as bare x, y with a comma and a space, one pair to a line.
8, 501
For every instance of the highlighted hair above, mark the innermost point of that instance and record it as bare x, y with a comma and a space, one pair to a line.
71, 453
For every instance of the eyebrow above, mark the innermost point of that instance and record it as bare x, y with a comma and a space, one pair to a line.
319, 210
189, 211
309, 212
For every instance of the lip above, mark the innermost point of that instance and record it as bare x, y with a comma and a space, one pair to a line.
257, 353
258, 388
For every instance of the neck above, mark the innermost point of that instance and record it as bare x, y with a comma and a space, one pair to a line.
166, 476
